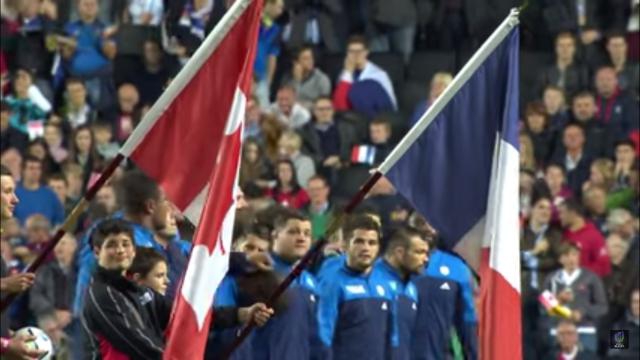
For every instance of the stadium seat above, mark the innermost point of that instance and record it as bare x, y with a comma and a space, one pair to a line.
359, 122
331, 64
392, 64
135, 36
426, 63
409, 95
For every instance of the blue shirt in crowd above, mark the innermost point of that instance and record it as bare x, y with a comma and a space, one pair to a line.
41, 201
88, 58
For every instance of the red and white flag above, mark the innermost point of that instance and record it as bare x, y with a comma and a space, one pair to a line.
190, 143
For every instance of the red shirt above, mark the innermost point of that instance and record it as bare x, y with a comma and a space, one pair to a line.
593, 251
294, 199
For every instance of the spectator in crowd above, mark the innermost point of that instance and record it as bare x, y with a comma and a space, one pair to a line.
137, 330
146, 12
82, 151
629, 321
51, 296
287, 191
10, 136
594, 200
271, 130
621, 223
616, 109
24, 104
58, 183
88, 51
320, 210
106, 197
106, 148
350, 290
568, 346
156, 70
626, 161
584, 234
255, 169
37, 230
392, 27
599, 139
289, 145
308, 81
39, 149
619, 283
573, 155
316, 23
149, 268
12, 284
380, 138
628, 71
538, 128
77, 110
405, 257
268, 50
555, 104
12, 159
566, 72
363, 86
292, 332
75, 177
54, 138
577, 288
127, 115
252, 128
327, 139
439, 82
600, 174
288, 110
36, 198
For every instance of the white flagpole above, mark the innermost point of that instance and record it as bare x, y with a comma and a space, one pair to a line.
204, 51
460, 79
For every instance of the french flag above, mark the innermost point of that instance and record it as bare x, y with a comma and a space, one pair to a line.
460, 170
363, 154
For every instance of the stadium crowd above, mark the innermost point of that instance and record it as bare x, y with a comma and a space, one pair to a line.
337, 84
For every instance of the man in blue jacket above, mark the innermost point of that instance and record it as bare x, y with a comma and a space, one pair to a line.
354, 307
292, 333
405, 256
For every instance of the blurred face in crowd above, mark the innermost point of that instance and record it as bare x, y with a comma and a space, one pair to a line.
553, 100
306, 61
117, 252
379, 133
251, 152
318, 191
567, 336
287, 146
595, 200
570, 260
362, 249
32, 173
59, 187
157, 278
77, 94
625, 154
102, 135
439, 83
21, 83
617, 248
526, 181
128, 98
293, 240
358, 54
323, 111
567, 217
606, 81
617, 48
9, 198
252, 114
12, 159
274, 8
38, 229
635, 303
83, 141
152, 53
107, 197
88, 10
52, 135
584, 107
573, 138
285, 173
38, 150
565, 48
541, 211
286, 98
66, 249
595, 176
253, 244
535, 122
29, 8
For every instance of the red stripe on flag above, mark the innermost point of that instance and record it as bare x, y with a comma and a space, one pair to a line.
500, 313
180, 150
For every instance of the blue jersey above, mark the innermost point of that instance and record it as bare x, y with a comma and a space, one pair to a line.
329, 266
292, 333
404, 309
354, 315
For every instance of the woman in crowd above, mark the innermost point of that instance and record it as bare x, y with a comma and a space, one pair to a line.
287, 191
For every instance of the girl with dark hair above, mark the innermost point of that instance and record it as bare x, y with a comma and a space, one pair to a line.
287, 191
82, 151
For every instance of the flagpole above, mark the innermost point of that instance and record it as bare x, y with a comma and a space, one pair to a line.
458, 81
189, 70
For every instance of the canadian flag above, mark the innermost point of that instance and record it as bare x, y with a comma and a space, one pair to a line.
190, 143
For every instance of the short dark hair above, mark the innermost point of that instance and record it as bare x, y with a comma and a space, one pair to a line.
58, 177
320, 178
382, 121
555, 165
583, 94
285, 215
74, 80
323, 97
30, 158
616, 34
303, 48
402, 238
573, 205
360, 222
625, 142
110, 227
4, 171
573, 124
134, 189
145, 260
358, 39
566, 246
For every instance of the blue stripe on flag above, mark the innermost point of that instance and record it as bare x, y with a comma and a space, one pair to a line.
446, 172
